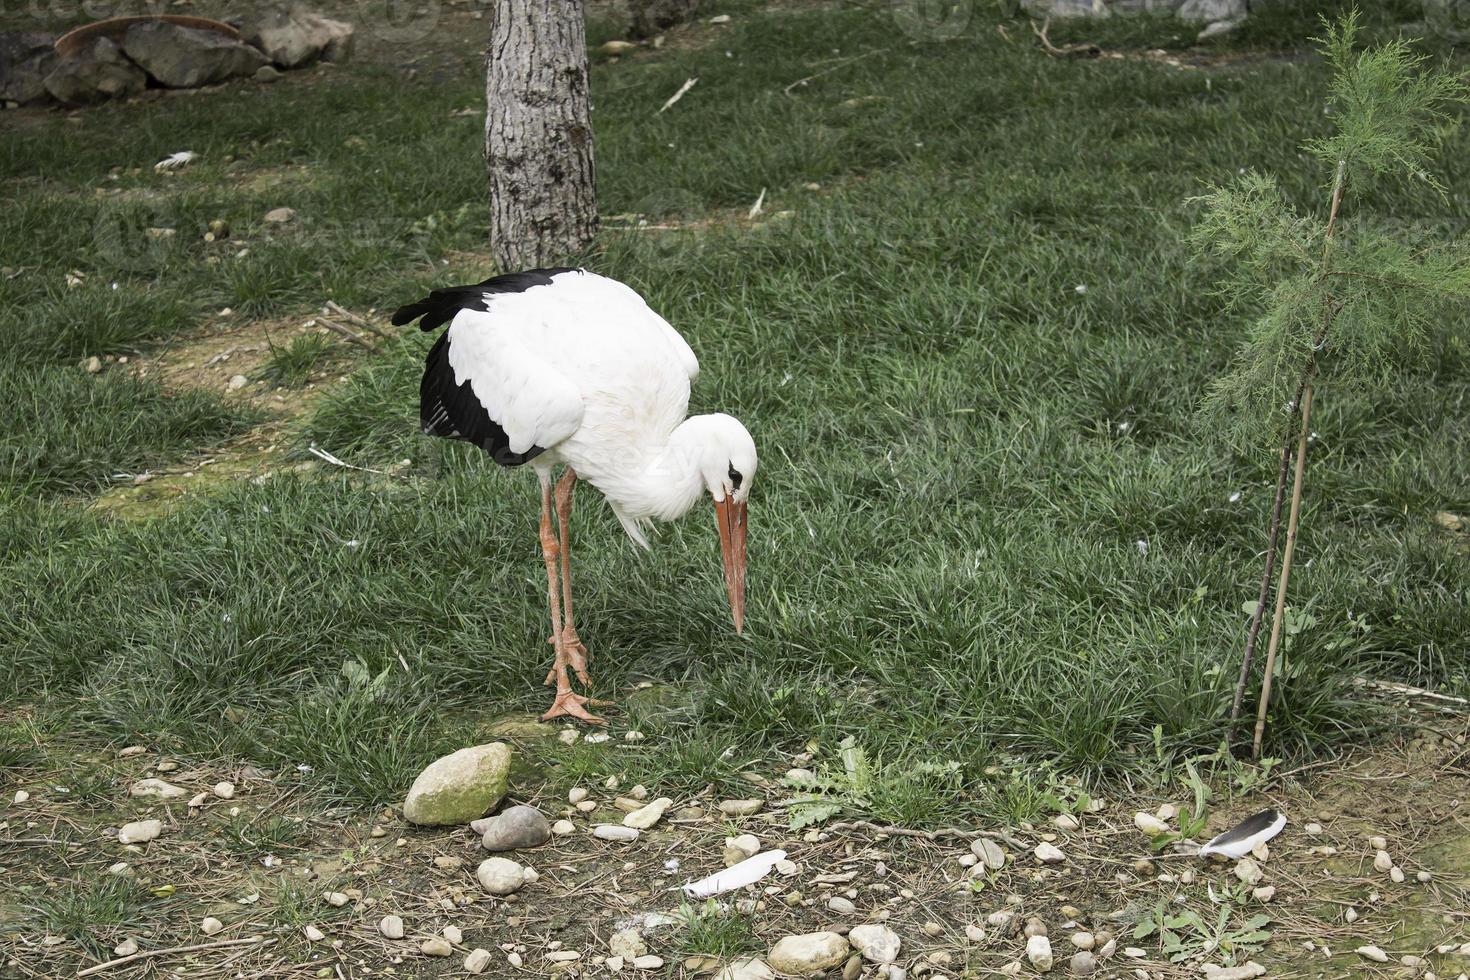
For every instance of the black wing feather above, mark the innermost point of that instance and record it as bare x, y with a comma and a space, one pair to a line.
440, 306
451, 410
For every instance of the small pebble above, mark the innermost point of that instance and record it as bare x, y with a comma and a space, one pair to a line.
563, 827
210, 926
477, 961
612, 832
313, 934
452, 934
391, 926
335, 899
1372, 953
126, 948
1038, 953
436, 946
1083, 963
577, 795
224, 790
1084, 940
1049, 853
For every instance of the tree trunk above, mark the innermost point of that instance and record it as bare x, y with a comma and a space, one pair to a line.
650, 17
538, 134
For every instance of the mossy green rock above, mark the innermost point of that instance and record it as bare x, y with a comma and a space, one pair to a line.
460, 787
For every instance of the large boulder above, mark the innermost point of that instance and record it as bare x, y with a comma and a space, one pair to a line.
26, 58
460, 787
186, 57
294, 37
94, 74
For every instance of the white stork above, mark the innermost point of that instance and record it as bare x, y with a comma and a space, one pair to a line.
561, 366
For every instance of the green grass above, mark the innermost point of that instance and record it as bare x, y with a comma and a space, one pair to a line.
291, 364
961, 450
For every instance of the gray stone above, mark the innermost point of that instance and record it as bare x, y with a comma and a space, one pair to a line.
26, 58
100, 72
139, 832
459, 787
502, 876
513, 828
876, 942
295, 37
186, 57
808, 954
1210, 11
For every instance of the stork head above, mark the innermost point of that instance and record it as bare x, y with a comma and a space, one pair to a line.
727, 464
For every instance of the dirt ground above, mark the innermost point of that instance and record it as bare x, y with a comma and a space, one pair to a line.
261, 861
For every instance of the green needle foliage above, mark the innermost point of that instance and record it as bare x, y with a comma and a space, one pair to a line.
1349, 297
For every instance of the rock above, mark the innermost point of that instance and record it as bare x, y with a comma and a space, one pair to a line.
853, 968
746, 970
267, 74
741, 808
1313, 829
334, 899
157, 788
1012, 969
587, 806
26, 58
210, 925
647, 816
1034, 927
1207, 11
1084, 940
139, 831
459, 787
502, 876
612, 832
1219, 28
313, 934
840, 905
933, 929
737, 849
21, 796
808, 954
284, 216
452, 934
1264, 894
436, 947
97, 73
613, 963
1382, 862
225, 790
1151, 825
1049, 853
628, 944
1066, 821
391, 926
1378, 843
186, 57
648, 963
1038, 953
1372, 953
1082, 964
447, 862
1002, 921
1245, 971
93, 365
563, 827
126, 948
294, 37
236, 383
617, 47
577, 795
877, 943
1396, 875
478, 961
989, 852
514, 828
974, 933
1248, 871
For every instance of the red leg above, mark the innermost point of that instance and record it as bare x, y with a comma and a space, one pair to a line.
567, 701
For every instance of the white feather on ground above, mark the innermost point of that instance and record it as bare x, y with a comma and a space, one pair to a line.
747, 872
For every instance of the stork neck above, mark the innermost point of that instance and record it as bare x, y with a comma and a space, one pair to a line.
670, 485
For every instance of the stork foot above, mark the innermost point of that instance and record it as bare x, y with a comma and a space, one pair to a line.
570, 704
570, 653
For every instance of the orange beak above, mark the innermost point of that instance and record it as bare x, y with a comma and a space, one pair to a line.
731, 518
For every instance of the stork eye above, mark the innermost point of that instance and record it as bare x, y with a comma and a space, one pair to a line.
735, 477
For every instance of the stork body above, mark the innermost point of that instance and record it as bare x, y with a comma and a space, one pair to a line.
561, 367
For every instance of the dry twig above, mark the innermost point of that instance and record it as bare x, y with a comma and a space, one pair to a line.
152, 953
1085, 49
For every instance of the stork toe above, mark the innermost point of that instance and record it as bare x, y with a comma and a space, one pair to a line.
571, 704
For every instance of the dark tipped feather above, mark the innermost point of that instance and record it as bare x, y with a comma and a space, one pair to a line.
440, 306
452, 411
1240, 839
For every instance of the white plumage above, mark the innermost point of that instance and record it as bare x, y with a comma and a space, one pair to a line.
562, 366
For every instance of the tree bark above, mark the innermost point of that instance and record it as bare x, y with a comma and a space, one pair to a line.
538, 134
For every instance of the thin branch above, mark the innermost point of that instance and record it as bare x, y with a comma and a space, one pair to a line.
829, 70
345, 332
152, 953
689, 84
361, 321
1084, 50
1279, 619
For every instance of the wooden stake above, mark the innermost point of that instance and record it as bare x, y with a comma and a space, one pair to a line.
1279, 617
